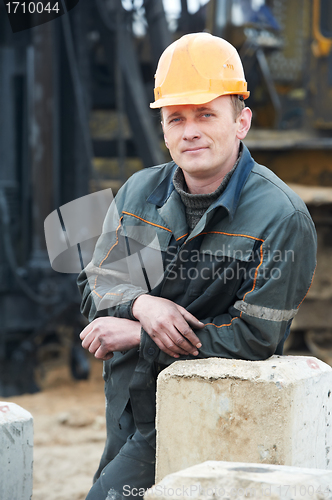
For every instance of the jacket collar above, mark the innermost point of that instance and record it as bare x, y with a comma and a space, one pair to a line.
163, 191
229, 199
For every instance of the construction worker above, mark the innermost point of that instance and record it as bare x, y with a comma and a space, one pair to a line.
238, 251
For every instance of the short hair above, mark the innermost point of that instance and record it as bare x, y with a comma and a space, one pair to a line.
236, 100
238, 104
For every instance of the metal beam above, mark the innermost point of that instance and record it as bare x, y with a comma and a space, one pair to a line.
143, 128
41, 136
159, 33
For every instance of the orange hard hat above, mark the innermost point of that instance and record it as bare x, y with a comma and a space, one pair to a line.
196, 69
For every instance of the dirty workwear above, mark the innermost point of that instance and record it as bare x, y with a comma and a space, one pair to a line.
243, 271
127, 467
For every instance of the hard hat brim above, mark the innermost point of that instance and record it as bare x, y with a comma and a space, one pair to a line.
202, 98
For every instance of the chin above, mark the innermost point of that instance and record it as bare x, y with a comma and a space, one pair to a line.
193, 164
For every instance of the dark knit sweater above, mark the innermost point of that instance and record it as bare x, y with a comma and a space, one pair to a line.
197, 204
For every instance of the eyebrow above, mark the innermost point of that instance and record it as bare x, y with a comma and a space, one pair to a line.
204, 108
198, 110
173, 115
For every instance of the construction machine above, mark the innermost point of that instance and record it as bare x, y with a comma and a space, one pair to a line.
74, 119
286, 48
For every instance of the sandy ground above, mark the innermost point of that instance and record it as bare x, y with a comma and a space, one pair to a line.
69, 433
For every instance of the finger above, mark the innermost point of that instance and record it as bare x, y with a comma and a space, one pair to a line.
190, 318
181, 341
164, 348
95, 344
174, 350
174, 341
86, 331
88, 339
188, 334
108, 356
171, 353
103, 353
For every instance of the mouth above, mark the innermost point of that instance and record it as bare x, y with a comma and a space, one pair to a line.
194, 150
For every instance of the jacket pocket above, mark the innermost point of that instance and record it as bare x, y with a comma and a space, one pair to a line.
222, 265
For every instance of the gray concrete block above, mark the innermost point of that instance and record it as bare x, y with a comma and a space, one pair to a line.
16, 452
276, 411
240, 481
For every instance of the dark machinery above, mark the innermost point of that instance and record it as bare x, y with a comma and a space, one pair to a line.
43, 165
52, 78
286, 47
74, 119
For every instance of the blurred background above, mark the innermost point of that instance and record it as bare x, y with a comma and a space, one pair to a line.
75, 119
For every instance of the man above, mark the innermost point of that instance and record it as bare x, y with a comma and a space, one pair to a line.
238, 252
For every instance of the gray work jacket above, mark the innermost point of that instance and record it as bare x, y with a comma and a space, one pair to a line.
243, 271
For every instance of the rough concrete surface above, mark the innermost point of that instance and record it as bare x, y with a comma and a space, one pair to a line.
16, 452
69, 433
226, 480
276, 411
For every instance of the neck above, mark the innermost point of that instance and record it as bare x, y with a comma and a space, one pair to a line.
202, 185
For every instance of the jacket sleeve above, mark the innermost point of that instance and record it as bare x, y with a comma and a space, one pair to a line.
106, 286
269, 297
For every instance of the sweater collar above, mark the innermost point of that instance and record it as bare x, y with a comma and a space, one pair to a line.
229, 198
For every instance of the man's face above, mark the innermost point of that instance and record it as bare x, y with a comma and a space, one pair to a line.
204, 139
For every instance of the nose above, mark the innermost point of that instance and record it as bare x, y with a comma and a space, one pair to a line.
191, 131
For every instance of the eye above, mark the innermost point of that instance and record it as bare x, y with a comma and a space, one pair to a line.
174, 120
207, 115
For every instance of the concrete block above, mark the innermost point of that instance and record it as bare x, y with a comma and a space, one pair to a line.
276, 411
16, 452
226, 480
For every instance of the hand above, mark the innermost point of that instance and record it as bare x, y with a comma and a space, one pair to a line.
105, 335
168, 325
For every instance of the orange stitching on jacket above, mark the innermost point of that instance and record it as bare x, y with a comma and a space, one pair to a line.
177, 239
255, 278
312, 279
108, 293
117, 241
229, 234
228, 324
148, 222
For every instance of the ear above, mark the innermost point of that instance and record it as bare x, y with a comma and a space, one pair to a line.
243, 123
165, 140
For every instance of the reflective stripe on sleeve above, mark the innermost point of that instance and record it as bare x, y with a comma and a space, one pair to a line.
265, 312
